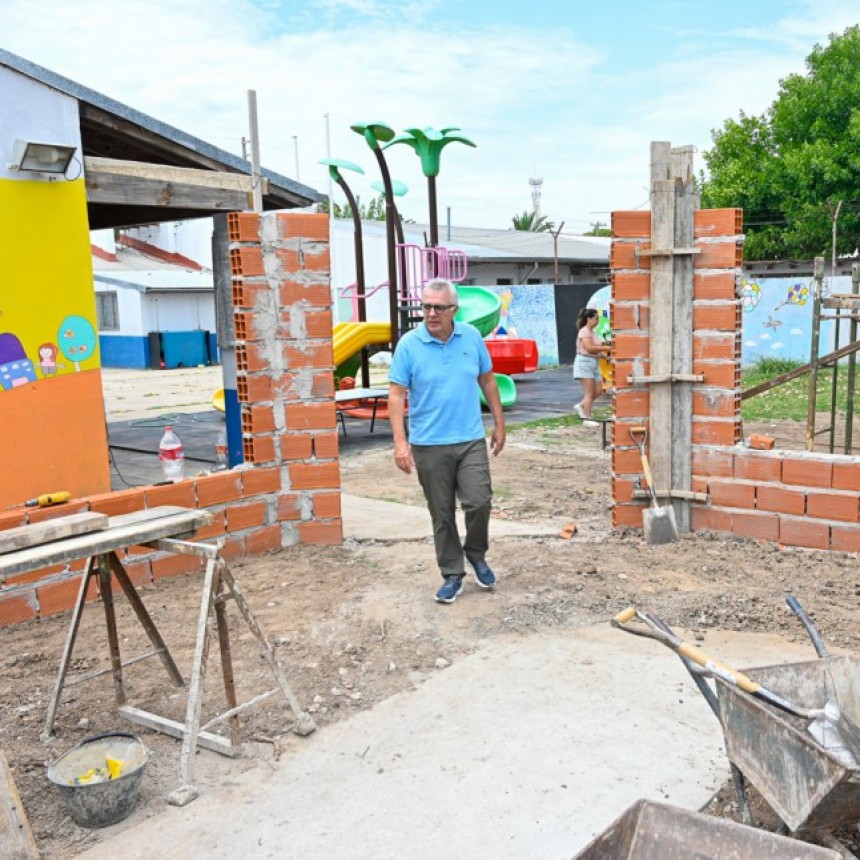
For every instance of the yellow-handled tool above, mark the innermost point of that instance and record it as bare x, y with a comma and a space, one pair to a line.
45, 500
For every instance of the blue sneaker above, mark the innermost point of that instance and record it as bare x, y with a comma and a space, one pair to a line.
451, 587
484, 576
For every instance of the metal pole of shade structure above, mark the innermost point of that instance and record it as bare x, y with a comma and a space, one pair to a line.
296, 150
227, 344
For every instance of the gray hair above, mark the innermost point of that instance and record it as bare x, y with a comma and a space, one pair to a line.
440, 285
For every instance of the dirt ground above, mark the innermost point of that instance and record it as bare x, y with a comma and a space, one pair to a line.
355, 624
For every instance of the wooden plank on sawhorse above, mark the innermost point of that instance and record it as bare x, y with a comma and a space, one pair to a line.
219, 585
123, 531
50, 530
16, 837
99, 549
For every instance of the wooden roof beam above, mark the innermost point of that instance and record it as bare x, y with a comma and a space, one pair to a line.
135, 183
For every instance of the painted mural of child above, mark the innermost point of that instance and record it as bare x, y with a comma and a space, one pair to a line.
48, 359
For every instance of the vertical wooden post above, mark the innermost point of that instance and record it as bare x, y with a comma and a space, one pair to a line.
662, 242
673, 203
686, 202
852, 367
818, 278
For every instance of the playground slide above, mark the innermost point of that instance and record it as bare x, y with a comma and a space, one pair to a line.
482, 308
507, 391
350, 338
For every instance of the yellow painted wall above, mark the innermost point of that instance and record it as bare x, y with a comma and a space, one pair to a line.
51, 403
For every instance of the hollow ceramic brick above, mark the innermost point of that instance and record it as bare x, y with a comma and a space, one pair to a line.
310, 226
631, 286
717, 222
632, 224
243, 226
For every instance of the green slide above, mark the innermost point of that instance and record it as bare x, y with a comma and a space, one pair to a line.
507, 391
483, 308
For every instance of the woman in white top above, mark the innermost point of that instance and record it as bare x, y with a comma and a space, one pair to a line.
586, 367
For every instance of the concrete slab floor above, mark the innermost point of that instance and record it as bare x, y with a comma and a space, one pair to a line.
526, 749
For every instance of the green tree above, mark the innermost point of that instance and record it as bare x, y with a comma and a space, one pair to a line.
532, 222
598, 228
790, 167
373, 211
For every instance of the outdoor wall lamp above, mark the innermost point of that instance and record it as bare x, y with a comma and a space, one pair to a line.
41, 157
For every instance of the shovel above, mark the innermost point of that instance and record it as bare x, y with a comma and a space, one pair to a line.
658, 522
828, 725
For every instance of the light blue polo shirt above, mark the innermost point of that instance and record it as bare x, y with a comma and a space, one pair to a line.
442, 378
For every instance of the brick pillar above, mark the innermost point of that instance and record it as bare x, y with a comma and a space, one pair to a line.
716, 342
284, 362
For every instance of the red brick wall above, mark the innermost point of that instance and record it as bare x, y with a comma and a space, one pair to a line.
791, 498
289, 491
797, 499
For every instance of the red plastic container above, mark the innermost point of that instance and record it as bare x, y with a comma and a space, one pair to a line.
513, 355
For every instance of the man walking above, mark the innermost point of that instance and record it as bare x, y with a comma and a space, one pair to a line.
440, 364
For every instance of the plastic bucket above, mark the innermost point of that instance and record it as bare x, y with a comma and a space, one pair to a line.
81, 775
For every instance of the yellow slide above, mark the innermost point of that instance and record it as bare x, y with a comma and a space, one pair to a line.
349, 338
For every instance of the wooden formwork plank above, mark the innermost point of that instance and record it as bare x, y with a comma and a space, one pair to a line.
662, 268
16, 837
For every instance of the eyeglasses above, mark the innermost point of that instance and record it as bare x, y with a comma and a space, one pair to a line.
438, 308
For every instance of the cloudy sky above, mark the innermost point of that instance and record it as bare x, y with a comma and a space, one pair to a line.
568, 91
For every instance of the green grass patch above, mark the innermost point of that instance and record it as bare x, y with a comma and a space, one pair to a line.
549, 423
789, 400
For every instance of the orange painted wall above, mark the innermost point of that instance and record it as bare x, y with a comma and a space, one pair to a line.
61, 443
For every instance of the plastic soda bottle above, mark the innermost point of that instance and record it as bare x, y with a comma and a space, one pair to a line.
171, 456
221, 450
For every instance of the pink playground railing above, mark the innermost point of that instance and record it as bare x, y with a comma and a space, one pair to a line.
417, 265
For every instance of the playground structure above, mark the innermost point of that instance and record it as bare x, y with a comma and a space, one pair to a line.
354, 341
410, 266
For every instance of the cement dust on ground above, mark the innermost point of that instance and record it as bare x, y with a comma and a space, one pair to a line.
355, 624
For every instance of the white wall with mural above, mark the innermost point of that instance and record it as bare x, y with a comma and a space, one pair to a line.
777, 318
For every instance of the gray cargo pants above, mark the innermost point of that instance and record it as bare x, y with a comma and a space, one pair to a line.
448, 473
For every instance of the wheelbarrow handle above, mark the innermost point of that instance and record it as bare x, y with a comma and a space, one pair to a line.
811, 629
712, 666
684, 649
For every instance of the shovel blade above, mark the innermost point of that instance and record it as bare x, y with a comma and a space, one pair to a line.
837, 734
659, 525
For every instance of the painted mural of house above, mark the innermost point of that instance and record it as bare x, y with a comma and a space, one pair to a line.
72, 161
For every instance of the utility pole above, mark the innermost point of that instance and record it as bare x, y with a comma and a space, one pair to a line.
328, 155
257, 190
555, 249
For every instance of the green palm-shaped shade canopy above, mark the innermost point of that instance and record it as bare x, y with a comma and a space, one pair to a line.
373, 132
398, 189
428, 143
336, 164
